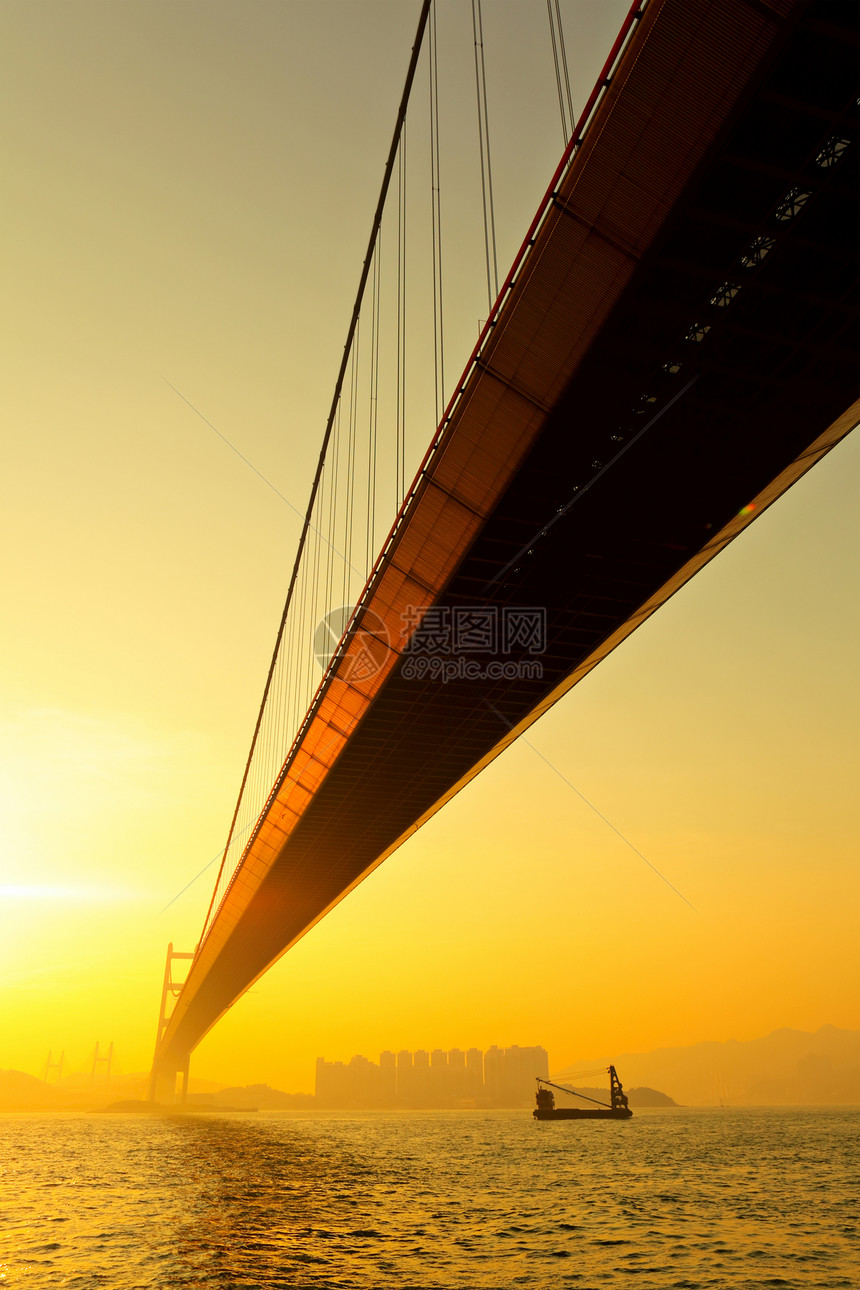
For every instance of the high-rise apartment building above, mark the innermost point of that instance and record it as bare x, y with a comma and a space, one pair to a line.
510, 1074
405, 1079
440, 1090
474, 1073
421, 1078
457, 1086
388, 1078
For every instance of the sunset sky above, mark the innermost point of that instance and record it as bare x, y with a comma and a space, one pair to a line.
188, 189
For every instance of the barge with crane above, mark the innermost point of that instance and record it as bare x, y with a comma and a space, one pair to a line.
615, 1109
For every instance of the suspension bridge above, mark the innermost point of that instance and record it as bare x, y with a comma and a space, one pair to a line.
673, 347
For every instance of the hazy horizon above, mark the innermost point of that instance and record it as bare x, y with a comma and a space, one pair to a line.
783, 1067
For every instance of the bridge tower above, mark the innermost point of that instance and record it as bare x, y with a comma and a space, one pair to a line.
107, 1058
162, 1083
54, 1066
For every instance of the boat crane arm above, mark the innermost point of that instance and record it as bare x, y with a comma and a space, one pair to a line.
571, 1093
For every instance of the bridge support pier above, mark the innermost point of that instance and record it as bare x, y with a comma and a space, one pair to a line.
163, 1084
183, 1087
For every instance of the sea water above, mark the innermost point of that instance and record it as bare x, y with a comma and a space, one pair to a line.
672, 1198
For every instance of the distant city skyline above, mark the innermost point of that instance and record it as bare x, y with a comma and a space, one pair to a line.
440, 1078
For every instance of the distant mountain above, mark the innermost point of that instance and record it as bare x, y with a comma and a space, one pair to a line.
785, 1068
75, 1092
258, 1096
20, 1092
639, 1097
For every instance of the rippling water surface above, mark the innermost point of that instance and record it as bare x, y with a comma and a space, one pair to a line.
687, 1198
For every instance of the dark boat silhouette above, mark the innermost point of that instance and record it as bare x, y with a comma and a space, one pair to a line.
615, 1109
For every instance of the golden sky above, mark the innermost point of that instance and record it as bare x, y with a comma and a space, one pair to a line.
187, 197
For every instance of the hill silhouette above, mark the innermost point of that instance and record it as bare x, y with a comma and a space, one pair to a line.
21, 1092
785, 1068
637, 1097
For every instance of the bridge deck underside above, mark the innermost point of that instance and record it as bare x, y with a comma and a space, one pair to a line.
606, 445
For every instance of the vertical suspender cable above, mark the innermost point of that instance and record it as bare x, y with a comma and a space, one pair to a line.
377, 220
484, 148
404, 161
320, 506
303, 655
400, 413
571, 117
376, 313
438, 335
555, 58
331, 534
398, 347
349, 525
